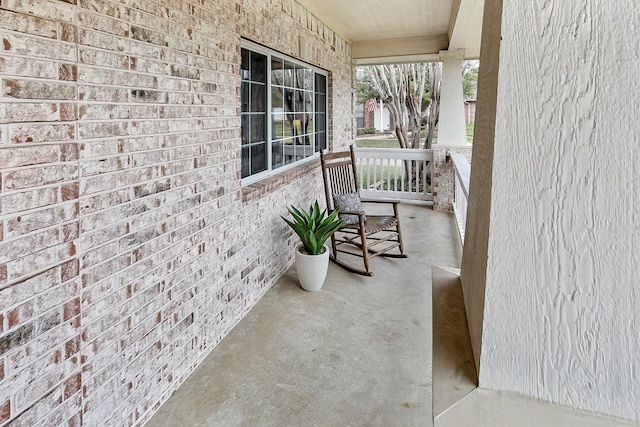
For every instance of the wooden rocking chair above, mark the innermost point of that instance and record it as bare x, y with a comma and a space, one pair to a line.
366, 235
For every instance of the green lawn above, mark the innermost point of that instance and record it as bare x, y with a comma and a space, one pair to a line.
392, 142
377, 142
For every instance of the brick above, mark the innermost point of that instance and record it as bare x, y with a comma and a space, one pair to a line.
28, 67
26, 223
16, 338
88, 130
69, 191
72, 386
39, 176
34, 89
27, 200
28, 24
69, 270
26, 289
71, 309
68, 112
37, 47
68, 32
102, 23
29, 112
41, 132
39, 260
104, 94
20, 314
43, 8
26, 156
5, 411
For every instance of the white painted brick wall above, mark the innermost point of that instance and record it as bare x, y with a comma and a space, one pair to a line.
128, 248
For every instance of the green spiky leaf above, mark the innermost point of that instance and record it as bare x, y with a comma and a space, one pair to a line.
313, 226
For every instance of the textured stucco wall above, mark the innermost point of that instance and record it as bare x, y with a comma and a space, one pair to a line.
561, 311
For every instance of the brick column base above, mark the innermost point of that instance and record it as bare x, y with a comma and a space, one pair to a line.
443, 179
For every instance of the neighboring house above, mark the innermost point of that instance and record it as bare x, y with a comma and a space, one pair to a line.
470, 111
368, 117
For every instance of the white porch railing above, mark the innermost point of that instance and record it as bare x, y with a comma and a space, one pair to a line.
461, 195
382, 173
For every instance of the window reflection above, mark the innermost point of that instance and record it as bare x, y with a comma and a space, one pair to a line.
297, 95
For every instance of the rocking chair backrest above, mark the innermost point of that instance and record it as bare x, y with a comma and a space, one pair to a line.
339, 173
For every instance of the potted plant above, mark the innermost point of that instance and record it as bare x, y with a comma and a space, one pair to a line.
313, 227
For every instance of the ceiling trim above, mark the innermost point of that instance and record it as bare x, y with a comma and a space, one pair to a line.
406, 59
404, 47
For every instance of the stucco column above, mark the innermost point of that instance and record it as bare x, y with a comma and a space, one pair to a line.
451, 126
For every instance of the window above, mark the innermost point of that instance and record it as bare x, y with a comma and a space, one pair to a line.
284, 111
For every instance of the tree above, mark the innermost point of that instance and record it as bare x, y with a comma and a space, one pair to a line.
470, 79
364, 87
433, 108
403, 87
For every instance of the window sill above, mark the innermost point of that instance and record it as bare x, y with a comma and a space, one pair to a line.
259, 189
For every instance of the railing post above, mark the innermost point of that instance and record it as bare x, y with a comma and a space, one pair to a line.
462, 169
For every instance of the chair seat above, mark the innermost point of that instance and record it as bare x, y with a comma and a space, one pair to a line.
375, 223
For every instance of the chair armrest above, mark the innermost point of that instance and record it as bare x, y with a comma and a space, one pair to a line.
359, 213
380, 200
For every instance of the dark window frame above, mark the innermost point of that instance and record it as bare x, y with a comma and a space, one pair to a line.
292, 128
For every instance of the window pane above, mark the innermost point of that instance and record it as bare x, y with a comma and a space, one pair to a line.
311, 147
288, 126
258, 97
321, 141
308, 146
245, 129
277, 154
244, 96
321, 103
277, 103
299, 84
288, 100
244, 67
288, 150
289, 70
308, 79
308, 102
276, 63
258, 67
258, 158
246, 163
297, 128
299, 97
321, 83
257, 128
320, 122
276, 71
310, 124
277, 128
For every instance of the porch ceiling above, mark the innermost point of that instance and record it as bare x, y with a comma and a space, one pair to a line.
387, 31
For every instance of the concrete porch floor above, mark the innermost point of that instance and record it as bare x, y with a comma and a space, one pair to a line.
359, 353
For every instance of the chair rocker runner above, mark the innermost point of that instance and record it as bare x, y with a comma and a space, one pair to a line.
362, 235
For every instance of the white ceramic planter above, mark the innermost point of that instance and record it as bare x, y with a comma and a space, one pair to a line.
312, 269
